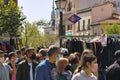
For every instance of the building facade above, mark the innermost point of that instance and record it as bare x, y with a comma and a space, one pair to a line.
49, 31
90, 14
90, 11
103, 14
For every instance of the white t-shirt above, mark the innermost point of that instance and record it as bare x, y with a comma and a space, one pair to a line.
82, 76
31, 71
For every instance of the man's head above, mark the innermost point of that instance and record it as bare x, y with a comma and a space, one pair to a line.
117, 55
12, 56
18, 52
30, 53
53, 53
42, 53
1, 57
23, 50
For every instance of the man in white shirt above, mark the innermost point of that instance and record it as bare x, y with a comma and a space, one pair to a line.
25, 70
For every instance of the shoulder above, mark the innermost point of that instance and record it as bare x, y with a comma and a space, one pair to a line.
7, 67
42, 65
93, 77
113, 67
22, 62
76, 76
35, 63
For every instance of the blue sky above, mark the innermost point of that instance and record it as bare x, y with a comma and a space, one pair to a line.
36, 9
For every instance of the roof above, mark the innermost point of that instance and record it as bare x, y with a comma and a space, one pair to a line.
84, 10
106, 21
115, 18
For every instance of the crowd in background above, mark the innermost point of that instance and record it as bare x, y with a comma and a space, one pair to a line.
54, 63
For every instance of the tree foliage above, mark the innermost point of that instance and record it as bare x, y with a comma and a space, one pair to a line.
11, 18
33, 37
42, 23
113, 29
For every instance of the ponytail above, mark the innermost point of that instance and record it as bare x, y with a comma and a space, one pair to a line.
78, 69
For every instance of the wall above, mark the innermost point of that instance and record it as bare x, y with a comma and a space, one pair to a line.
86, 29
102, 12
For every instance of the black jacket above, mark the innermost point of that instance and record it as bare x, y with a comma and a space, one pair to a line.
113, 72
23, 70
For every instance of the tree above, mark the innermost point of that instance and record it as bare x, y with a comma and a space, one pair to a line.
33, 37
42, 23
11, 18
113, 29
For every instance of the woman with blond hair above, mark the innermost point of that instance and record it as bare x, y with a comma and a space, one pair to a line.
86, 69
62, 73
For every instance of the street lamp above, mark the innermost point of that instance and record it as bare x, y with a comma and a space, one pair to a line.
61, 5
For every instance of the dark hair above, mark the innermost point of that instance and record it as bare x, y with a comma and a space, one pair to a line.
22, 49
28, 50
5, 55
17, 52
11, 54
43, 52
38, 48
52, 50
86, 58
1, 52
73, 58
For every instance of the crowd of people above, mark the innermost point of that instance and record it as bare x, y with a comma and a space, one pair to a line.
54, 63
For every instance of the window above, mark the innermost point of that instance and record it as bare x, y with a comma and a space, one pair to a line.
73, 4
118, 4
88, 26
69, 27
78, 26
83, 24
69, 6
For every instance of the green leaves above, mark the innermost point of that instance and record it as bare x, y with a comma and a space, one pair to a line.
113, 29
33, 37
11, 18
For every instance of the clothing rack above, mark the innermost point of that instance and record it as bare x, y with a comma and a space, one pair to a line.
113, 35
82, 36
